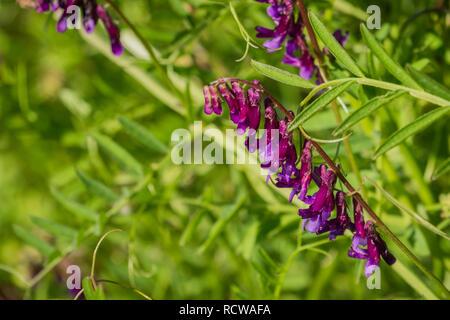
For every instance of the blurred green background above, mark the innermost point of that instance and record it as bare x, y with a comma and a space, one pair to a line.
197, 231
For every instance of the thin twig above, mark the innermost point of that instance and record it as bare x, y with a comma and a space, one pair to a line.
94, 255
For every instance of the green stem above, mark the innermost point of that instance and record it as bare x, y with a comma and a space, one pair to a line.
324, 72
291, 258
379, 84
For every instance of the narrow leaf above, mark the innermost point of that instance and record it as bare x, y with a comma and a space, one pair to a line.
248, 241
411, 129
414, 281
97, 187
75, 207
429, 84
443, 168
90, 292
364, 111
270, 263
281, 75
54, 228
393, 67
334, 46
263, 272
142, 135
228, 213
192, 226
118, 153
416, 217
321, 102
37, 243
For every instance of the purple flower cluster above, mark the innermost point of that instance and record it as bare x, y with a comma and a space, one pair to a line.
287, 26
91, 13
279, 155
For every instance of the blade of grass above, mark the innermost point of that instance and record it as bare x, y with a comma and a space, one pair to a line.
411, 129
416, 217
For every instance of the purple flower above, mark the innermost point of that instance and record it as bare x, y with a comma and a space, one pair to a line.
305, 63
287, 26
367, 243
321, 203
268, 143
61, 26
340, 37
379, 243
208, 104
244, 107
43, 5
230, 99
338, 225
90, 16
113, 31
212, 100
287, 155
305, 171
359, 238
302, 180
253, 117
281, 13
91, 13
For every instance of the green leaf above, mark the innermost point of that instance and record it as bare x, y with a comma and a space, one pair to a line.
248, 241
142, 135
443, 168
189, 231
281, 75
393, 67
429, 84
416, 217
74, 207
263, 272
367, 109
333, 46
321, 102
97, 187
89, 292
414, 281
118, 153
37, 243
228, 213
411, 129
192, 226
269, 262
54, 228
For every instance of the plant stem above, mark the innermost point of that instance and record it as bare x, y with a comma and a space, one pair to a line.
149, 49
379, 84
325, 76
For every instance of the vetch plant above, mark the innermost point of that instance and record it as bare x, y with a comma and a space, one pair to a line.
367, 243
243, 106
353, 141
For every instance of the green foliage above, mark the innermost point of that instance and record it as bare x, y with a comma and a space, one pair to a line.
411, 129
96, 128
281, 75
318, 104
335, 48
